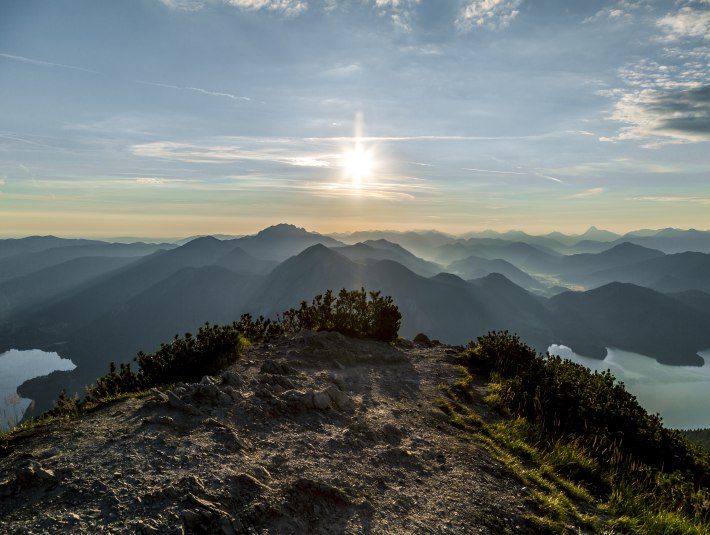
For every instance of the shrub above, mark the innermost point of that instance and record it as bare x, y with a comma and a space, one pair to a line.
501, 352
353, 313
184, 359
190, 358
567, 400
259, 329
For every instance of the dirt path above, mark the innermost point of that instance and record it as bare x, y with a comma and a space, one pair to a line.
313, 434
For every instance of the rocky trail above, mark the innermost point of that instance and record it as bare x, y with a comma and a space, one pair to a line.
316, 433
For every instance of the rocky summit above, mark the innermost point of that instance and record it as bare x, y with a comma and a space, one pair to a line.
313, 433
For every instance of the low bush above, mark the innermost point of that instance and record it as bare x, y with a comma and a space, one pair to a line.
565, 401
185, 359
353, 313
188, 358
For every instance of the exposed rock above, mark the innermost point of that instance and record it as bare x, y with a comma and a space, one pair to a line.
276, 368
232, 379
176, 402
321, 400
315, 433
158, 395
422, 339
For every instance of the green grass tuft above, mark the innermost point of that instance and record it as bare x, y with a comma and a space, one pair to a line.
590, 455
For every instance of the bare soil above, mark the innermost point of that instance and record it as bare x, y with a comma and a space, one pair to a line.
315, 433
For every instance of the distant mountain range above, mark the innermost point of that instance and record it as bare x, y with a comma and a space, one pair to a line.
95, 302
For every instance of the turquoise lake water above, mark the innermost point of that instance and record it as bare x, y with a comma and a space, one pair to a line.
680, 394
16, 367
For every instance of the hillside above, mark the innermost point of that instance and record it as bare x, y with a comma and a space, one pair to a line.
474, 267
312, 434
632, 318
316, 432
670, 273
99, 310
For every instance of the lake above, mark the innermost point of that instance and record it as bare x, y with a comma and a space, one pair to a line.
680, 394
16, 367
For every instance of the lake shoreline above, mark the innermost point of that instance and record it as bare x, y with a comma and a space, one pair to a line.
680, 394
16, 368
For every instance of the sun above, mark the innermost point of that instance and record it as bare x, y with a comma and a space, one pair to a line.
358, 162
358, 165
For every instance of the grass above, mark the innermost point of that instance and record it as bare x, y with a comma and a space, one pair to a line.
568, 485
63, 414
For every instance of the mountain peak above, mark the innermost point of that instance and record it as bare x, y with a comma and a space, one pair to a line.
284, 229
202, 240
316, 250
630, 248
315, 254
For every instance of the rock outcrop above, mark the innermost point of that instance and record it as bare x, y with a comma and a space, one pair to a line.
316, 433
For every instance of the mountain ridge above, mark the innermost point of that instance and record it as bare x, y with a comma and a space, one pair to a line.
90, 324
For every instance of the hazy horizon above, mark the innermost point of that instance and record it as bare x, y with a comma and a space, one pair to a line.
185, 117
224, 234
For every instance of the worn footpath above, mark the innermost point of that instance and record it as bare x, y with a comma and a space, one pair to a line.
315, 433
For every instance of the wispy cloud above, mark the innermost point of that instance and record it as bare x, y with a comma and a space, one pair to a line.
548, 177
602, 169
287, 7
41, 63
343, 71
184, 5
667, 100
277, 152
531, 137
299, 151
151, 181
197, 90
522, 173
491, 14
622, 11
323, 155
687, 22
307, 162
399, 11
494, 172
674, 199
660, 117
592, 192
403, 188
10, 136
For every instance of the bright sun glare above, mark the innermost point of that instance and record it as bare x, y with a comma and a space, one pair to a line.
358, 163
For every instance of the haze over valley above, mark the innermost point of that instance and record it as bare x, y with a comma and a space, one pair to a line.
95, 302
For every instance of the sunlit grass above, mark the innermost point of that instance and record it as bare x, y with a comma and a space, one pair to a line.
568, 485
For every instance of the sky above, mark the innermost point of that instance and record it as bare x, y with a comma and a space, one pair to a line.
168, 118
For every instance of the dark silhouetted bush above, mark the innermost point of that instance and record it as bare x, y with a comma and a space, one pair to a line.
353, 313
190, 358
185, 359
567, 400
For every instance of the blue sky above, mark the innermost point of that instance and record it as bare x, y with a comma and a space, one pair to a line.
180, 117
